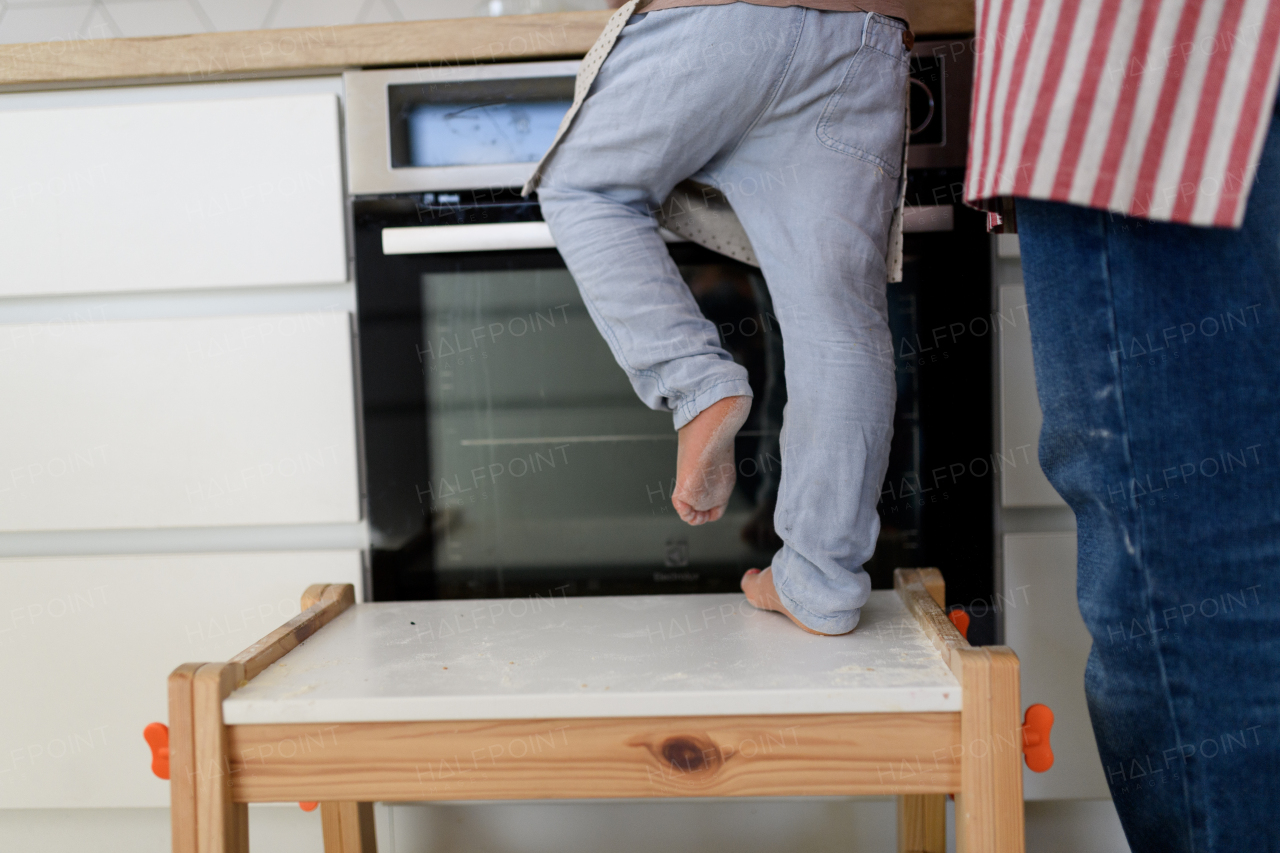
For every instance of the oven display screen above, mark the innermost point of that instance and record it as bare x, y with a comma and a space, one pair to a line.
455, 134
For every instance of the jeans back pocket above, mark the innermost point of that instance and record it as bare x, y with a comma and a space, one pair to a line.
864, 116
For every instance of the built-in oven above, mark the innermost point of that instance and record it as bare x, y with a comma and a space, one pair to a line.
505, 451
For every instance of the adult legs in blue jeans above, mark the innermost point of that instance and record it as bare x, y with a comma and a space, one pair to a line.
1157, 354
796, 115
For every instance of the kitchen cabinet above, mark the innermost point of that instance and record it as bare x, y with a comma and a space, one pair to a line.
179, 195
184, 422
1022, 482
86, 644
1042, 624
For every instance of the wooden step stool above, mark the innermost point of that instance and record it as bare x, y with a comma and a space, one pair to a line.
628, 696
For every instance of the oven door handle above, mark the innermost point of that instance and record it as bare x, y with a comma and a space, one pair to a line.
502, 236
436, 239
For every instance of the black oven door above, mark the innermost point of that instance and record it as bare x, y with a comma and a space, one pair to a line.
506, 454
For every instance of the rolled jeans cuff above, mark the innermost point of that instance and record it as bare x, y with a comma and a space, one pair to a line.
695, 404
795, 578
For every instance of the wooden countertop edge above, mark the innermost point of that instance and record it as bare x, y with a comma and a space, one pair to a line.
252, 53
264, 53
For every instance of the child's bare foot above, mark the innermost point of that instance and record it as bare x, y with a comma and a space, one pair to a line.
704, 460
760, 592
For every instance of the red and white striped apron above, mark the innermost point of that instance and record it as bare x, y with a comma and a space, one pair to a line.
1150, 108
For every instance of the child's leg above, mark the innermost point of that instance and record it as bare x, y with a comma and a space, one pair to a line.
758, 585
669, 350
657, 113
705, 469
815, 184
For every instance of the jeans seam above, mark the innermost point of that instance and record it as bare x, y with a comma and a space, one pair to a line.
900, 59
828, 110
620, 354
889, 22
681, 399
773, 96
797, 606
1136, 508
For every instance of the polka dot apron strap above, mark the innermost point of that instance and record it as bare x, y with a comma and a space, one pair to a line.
893, 259
586, 76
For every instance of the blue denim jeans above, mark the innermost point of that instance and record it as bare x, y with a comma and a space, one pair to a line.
796, 116
1157, 355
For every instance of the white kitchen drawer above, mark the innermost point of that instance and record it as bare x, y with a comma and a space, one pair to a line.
1022, 482
171, 196
86, 644
178, 423
1042, 624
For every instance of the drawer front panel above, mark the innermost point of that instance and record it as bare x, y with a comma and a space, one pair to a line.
165, 196
178, 423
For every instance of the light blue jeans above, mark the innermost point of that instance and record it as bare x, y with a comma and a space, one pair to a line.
796, 116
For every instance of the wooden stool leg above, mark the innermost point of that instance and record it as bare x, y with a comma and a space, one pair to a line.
182, 762
221, 825
348, 828
989, 816
922, 823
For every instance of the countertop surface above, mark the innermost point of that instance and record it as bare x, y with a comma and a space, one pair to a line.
206, 57
620, 656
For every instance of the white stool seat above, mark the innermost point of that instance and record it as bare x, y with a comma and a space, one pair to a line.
617, 656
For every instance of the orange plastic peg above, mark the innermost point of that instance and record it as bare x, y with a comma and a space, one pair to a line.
960, 619
1035, 737
308, 807
157, 737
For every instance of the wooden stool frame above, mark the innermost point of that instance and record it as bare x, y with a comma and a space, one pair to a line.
217, 769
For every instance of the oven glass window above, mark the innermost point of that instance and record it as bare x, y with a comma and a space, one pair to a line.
544, 463
507, 455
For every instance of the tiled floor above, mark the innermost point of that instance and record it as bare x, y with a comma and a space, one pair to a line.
70, 20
